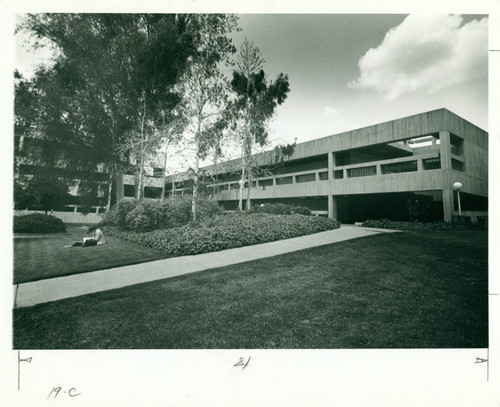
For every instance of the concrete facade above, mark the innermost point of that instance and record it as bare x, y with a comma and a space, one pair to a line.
422, 155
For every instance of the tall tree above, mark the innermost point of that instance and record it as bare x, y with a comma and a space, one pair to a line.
255, 104
170, 133
111, 74
48, 193
204, 87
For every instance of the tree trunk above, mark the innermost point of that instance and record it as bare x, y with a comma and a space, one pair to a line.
141, 166
110, 189
164, 177
139, 183
249, 177
196, 168
242, 184
195, 185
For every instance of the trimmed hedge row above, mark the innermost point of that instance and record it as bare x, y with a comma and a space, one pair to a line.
38, 223
419, 226
145, 215
227, 231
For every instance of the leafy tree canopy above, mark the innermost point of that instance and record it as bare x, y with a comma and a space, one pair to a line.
47, 193
110, 73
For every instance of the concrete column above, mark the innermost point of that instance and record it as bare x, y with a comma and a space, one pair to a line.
420, 165
331, 165
274, 181
317, 176
378, 170
119, 187
447, 205
332, 207
345, 173
293, 179
445, 150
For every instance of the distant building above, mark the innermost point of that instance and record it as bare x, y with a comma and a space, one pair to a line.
29, 160
402, 169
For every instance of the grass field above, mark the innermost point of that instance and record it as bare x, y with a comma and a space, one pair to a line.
36, 258
405, 290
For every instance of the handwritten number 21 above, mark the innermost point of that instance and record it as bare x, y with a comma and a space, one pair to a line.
241, 362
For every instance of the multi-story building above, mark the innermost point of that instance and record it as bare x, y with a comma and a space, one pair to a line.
401, 169
30, 160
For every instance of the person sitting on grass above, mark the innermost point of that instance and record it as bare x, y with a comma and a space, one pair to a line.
96, 239
98, 235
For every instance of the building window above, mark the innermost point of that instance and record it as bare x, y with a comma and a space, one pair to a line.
432, 163
398, 168
338, 174
362, 172
158, 172
129, 191
457, 165
323, 176
306, 178
456, 145
152, 192
266, 183
284, 180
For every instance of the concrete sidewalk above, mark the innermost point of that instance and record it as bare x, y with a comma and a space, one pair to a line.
37, 292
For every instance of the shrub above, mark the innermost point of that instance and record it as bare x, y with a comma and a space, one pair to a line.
208, 208
280, 209
118, 213
418, 226
228, 231
146, 215
38, 223
177, 211
301, 210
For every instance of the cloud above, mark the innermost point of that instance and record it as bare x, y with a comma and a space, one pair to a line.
330, 111
425, 53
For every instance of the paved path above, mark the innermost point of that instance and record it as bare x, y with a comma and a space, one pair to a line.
37, 292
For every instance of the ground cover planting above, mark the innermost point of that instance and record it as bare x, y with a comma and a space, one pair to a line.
227, 231
421, 226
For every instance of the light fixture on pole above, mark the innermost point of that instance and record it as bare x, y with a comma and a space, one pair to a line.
457, 186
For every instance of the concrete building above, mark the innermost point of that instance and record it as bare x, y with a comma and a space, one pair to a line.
402, 169
29, 160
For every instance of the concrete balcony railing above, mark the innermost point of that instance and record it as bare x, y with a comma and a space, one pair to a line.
421, 162
311, 183
279, 179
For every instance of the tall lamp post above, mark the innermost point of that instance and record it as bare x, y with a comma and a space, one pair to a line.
457, 186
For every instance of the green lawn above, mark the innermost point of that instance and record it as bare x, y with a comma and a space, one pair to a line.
404, 290
36, 258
